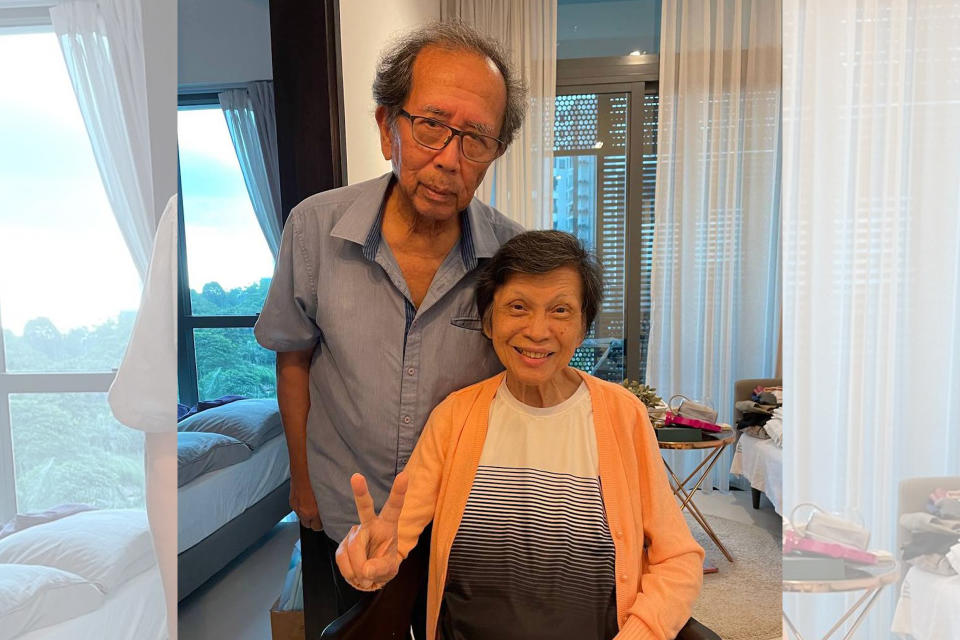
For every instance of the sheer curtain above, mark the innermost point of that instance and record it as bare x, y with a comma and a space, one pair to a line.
871, 216
251, 119
716, 282
102, 45
520, 184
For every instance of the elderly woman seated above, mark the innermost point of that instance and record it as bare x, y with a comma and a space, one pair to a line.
552, 516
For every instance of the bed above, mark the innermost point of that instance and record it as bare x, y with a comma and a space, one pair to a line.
758, 462
87, 575
230, 498
929, 604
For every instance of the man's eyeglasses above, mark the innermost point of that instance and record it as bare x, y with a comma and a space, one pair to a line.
437, 135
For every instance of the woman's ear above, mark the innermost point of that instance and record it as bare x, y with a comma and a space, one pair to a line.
485, 324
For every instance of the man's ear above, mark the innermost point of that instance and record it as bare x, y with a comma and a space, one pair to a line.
386, 135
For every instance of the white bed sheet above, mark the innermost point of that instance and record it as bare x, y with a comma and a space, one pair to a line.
210, 501
761, 463
929, 606
133, 611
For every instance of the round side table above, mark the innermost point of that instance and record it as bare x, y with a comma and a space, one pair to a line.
870, 579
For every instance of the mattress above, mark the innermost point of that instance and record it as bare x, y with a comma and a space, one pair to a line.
761, 463
133, 611
210, 501
929, 606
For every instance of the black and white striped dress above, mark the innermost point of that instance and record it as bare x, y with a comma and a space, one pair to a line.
533, 557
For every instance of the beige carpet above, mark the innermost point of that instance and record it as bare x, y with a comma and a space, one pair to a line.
742, 601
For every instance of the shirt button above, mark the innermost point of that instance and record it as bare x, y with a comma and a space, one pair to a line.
402, 461
619, 534
406, 419
411, 371
623, 577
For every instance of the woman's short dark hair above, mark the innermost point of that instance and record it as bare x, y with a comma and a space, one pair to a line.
541, 252
394, 78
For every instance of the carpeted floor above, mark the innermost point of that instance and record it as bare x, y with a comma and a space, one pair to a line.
742, 601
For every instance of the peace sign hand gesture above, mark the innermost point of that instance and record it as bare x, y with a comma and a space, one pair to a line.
367, 556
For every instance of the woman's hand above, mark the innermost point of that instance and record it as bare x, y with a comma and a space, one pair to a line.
367, 556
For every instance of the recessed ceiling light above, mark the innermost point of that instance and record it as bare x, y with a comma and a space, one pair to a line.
598, 145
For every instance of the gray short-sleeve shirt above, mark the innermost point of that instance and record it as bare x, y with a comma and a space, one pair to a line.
379, 365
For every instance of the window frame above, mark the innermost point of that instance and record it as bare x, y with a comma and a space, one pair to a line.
187, 379
638, 76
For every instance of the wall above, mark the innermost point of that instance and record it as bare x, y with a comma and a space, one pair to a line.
365, 28
159, 38
223, 42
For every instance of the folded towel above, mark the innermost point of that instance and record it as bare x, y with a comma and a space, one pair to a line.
953, 557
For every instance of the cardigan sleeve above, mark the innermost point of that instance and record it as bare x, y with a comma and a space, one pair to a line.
425, 471
673, 575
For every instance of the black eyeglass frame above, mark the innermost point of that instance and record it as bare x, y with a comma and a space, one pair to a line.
454, 132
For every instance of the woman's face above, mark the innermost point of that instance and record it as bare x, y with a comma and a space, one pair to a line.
536, 324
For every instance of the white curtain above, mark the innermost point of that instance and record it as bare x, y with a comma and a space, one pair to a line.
715, 288
251, 119
102, 45
520, 184
871, 217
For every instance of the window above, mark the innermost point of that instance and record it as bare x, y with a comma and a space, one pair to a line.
225, 264
68, 297
604, 181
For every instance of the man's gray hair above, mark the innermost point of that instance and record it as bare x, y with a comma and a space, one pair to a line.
394, 78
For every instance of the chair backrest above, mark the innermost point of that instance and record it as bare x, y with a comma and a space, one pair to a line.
387, 613
743, 389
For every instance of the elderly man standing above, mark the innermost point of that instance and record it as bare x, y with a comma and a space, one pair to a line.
371, 310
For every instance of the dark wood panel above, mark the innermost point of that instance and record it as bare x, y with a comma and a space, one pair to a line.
308, 97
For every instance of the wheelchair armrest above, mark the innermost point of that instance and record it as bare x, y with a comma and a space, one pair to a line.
693, 630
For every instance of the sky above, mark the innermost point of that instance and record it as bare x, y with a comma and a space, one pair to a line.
61, 252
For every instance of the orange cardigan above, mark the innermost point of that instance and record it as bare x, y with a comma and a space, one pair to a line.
656, 585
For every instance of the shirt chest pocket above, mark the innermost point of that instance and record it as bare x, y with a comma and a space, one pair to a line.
469, 322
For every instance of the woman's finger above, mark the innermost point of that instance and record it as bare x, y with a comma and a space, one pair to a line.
380, 570
394, 505
343, 560
361, 496
357, 551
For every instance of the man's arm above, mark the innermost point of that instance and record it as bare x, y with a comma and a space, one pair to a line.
293, 396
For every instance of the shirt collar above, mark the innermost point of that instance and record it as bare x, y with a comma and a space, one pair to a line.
362, 220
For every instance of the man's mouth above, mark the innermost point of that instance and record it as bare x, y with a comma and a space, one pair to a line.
536, 355
437, 192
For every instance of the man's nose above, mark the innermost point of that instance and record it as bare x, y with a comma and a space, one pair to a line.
448, 158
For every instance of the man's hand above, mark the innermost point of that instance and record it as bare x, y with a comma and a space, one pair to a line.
367, 556
304, 504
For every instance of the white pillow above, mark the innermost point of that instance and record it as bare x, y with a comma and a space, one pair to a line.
105, 547
32, 597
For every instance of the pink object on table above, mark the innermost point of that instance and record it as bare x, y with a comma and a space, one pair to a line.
793, 542
672, 418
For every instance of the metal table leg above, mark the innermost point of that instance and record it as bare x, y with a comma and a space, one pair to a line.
869, 597
687, 502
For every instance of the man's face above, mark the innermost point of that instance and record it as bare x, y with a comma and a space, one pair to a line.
464, 90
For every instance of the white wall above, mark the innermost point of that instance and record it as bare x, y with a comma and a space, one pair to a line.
365, 28
223, 42
160, 51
